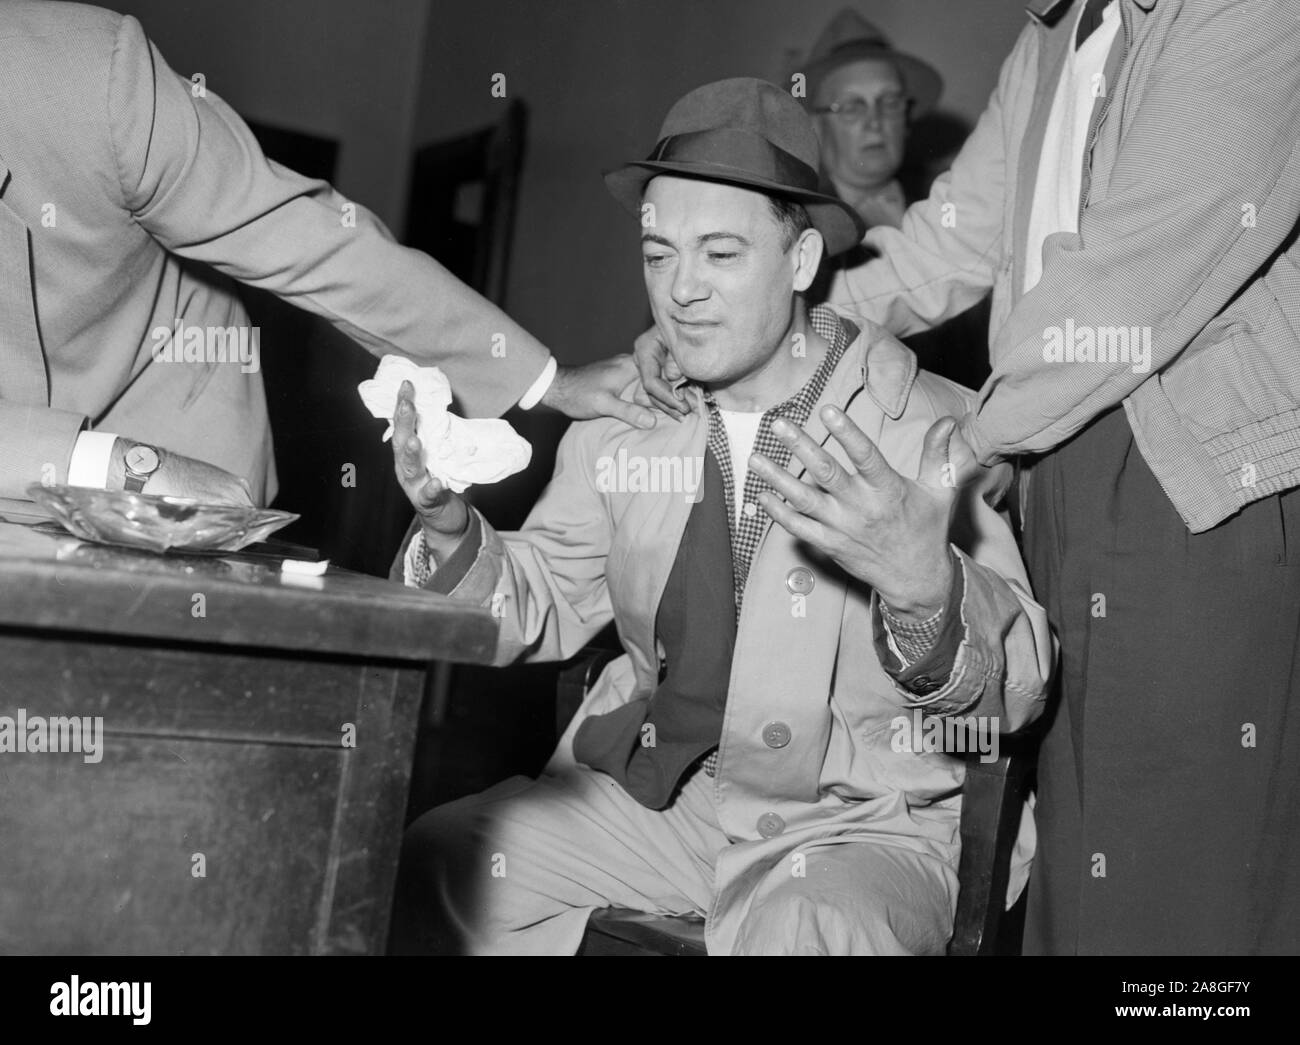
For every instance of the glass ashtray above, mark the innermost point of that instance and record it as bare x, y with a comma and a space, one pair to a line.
156, 523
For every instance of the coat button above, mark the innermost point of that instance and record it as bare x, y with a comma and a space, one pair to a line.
770, 825
776, 734
800, 580
923, 684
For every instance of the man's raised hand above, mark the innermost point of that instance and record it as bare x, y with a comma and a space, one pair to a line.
888, 531
444, 516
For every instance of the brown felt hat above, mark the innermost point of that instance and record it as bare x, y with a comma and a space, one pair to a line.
749, 133
851, 38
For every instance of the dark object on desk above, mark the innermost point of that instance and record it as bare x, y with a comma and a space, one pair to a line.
992, 801
257, 733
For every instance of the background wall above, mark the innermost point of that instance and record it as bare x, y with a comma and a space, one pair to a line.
341, 69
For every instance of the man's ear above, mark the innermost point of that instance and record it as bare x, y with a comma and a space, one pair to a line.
808, 250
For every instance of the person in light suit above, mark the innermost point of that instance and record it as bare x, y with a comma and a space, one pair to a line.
128, 201
742, 760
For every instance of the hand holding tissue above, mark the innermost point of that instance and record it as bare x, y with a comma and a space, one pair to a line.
459, 452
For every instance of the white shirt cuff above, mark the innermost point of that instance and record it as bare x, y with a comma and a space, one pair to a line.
541, 386
92, 454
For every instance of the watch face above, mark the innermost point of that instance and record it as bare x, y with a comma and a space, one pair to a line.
142, 460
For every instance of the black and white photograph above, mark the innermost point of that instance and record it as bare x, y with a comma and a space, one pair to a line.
650, 478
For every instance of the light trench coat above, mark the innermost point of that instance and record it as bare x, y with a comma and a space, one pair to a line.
588, 554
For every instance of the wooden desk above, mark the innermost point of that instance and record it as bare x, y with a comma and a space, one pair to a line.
232, 812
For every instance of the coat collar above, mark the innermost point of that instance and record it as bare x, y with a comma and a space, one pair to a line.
879, 363
888, 368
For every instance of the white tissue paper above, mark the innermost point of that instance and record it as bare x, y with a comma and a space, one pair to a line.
459, 452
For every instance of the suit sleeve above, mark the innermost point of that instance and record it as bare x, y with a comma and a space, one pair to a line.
946, 254
546, 582
192, 174
35, 446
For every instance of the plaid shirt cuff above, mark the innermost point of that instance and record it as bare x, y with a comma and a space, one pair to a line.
421, 571
914, 639
930, 672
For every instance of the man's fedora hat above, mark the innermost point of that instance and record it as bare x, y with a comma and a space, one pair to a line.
851, 38
749, 133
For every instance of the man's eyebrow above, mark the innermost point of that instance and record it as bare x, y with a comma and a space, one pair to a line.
708, 236
651, 237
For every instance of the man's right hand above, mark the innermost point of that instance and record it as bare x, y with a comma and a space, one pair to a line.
444, 515
180, 476
657, 371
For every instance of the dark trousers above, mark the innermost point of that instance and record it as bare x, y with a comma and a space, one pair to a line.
1169, 777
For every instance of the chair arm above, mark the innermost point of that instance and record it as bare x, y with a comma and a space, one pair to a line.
992, 803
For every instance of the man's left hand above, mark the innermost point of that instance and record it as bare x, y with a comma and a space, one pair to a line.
584, 392
886, 530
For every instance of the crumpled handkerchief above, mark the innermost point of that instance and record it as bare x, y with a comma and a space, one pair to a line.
459, 452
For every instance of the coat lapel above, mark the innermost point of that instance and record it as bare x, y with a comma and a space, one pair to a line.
22, 362
647, 537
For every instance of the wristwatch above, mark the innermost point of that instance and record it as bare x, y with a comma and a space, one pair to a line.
141, 462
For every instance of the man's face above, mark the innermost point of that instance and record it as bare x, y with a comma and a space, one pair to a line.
863, 150
721, 284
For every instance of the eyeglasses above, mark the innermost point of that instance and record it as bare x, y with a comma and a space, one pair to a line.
889, 106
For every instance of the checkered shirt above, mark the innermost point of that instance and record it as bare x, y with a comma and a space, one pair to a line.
746, 535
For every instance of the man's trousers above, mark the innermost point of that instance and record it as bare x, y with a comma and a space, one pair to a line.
518, 869
1169, 780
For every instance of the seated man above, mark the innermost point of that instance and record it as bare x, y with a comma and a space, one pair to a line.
742, 760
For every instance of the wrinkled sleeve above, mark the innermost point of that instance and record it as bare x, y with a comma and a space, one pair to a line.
545, 582
1166, 249
194, 177
946, 253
